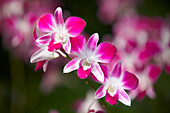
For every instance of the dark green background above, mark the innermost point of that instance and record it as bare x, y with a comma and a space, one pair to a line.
23, 81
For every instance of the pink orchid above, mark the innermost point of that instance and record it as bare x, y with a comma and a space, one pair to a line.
45, 53
150, 50
89, 56
165, 45
88, 105
147, 78
58, 31
115, 84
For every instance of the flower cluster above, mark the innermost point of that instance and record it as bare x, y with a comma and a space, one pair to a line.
143, 45
137, 53
18, 18
56, 37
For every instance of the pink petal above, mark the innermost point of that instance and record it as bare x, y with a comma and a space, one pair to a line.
133, 93
105, 52
67, 46
141, 95
91, 111
72, 65
39, 65
100, 92
58, 15
45, 65
52, 46
105, 72
153, 47
117, 70
151, 93
77, 43
92, 42
43, 54
112, 100
129, 80
97, 72
46, 23
124, 98
35, 33
75, 26
83, 73
154, 72
45, 39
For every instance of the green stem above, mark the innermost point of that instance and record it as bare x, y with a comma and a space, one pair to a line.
67, 56
89, 82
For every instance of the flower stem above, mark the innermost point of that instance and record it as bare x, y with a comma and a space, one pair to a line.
67, 56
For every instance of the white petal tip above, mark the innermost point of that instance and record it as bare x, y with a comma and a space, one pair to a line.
101, 79
95, 97
65, 70
127, 103
32, 60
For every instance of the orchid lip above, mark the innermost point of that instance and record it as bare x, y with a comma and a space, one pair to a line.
61, 36
112, 90
86, 63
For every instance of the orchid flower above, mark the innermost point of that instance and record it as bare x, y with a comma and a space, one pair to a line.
58, 31
115, 84
89, 104
147, 78
45, 53
89, 56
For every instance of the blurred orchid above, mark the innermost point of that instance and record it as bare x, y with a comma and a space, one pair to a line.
89, 56
165, 44
18, 18
58, 32
88, 105
147, 78
51, 79
110, 10
115, 84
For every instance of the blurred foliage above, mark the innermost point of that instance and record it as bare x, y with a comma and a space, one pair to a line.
19, 83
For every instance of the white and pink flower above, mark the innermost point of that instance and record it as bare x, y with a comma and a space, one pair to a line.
89, 56
115, 84
147, 79
58, 32
45, 53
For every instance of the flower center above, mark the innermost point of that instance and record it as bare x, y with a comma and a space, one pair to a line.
61, 38
86, 63
61, 35
112, 90
54, 55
